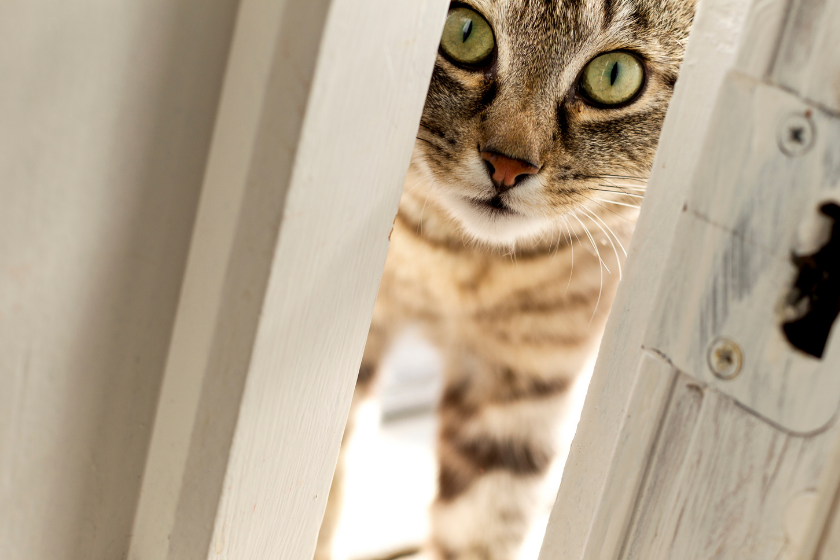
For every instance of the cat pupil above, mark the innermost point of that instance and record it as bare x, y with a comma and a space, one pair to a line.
614, 74
465, 32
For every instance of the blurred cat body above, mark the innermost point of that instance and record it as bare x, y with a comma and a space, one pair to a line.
508, 245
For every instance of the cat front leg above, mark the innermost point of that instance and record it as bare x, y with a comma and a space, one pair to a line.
499, 438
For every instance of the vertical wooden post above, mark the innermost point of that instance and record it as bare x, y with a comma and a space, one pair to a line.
739, 458
315, 129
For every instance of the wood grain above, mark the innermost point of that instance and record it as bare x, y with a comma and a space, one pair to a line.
641, 428
720, 485
829, 546
807, 60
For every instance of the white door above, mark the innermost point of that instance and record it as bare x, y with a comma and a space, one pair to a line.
710, 429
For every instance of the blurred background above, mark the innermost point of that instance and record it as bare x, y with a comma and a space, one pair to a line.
106, 115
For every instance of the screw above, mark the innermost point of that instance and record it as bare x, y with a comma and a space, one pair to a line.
796, 134
725, 358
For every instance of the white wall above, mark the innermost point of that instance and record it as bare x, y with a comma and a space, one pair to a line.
106, 114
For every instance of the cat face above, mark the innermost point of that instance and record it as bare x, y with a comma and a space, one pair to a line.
535, 105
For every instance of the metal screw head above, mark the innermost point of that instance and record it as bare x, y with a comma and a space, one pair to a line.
725, 358
796, 134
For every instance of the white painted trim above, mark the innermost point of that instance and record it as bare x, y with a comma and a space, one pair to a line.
315, 130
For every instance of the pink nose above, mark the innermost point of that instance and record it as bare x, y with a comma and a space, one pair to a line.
506, 171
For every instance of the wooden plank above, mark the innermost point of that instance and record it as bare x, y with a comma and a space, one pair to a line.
742, 238
740, 493
728, 477
315, 131
759, 39
640, 430
829, 547
728, 486
807, 61
710, 52
818, 533
751, 202
217, 222
665, 475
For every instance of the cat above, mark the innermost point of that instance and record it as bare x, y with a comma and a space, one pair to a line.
537, 136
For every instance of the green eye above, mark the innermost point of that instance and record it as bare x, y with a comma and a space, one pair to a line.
467, 37
612, 78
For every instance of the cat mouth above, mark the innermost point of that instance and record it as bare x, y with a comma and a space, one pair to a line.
494, 205
493, 220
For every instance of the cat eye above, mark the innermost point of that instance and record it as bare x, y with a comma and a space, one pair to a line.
467, 37
612, 78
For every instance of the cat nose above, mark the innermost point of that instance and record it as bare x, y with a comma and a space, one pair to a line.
506, 171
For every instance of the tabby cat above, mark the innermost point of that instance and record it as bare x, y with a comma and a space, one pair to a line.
537, 137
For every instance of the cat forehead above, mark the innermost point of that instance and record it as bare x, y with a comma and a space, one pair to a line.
560, 36
543, 14
570, 21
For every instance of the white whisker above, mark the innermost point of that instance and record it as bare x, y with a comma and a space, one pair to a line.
617, 259
619, 192
557, 250
614, 213
417, 182
623, 184
591, 240
572, 245
640, 185
423, 210
630, 187
601, 286
594, 215
626, 177
573, 230
617, 203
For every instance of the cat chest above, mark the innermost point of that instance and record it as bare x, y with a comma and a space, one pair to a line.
449, 282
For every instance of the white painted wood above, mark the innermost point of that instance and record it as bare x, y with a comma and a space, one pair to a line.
318, 118
829, 547
739, 224
231, 153
725, 484
746, 468
820, 539
106, 115
759, 42
710, 52
651, 394
807, 60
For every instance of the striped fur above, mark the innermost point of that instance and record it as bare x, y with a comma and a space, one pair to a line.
517, 299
